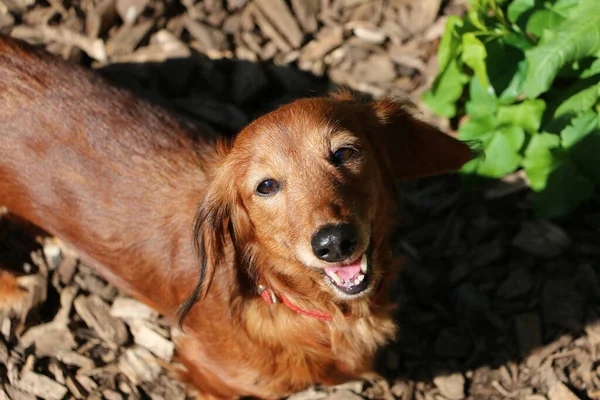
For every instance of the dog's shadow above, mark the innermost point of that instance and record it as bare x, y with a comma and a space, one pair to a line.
472, 295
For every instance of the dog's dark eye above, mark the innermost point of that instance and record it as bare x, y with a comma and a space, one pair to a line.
343, 154
267, 187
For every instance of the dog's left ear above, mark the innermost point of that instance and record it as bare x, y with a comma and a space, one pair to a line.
220, 217
411, 148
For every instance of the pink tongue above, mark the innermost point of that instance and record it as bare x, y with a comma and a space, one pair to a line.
344, 271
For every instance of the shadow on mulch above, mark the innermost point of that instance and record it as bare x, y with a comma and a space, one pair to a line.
471, 294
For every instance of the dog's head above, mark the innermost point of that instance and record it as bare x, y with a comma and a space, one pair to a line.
306, 194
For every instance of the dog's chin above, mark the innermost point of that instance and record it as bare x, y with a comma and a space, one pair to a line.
350, 281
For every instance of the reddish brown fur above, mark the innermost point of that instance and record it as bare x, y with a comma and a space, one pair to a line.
125, 184
12, 297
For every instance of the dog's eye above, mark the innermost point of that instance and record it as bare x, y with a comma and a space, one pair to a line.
267, 187
343, 154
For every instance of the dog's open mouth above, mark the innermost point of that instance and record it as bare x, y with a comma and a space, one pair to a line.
351, 278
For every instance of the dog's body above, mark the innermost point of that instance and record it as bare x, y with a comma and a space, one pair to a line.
298, 205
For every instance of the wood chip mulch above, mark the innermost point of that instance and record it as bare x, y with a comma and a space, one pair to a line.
495, 305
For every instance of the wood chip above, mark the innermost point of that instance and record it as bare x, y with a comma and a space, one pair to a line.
93, 47
542, 239
327, 40
129, 10
343, 395
3, 353
308, 394
14, 394
49, 339
519, 283
375, 69
508, 185
306, 11
100, 17
367, 32
127, 38
111, 394
151, 340
419, 15
280, 16
139, 365
451, 386
539, 355
162, 47
561, 392
268, 29
18, 6
128, 308
73, 358
208, 38
41, 386
96, 314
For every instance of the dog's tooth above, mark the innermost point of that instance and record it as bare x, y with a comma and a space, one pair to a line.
360, 278
363, 263
357, 281
337, 278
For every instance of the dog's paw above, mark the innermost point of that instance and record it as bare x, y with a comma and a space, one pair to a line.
12, 296
19, 295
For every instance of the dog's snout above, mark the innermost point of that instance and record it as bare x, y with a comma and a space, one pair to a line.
334, 243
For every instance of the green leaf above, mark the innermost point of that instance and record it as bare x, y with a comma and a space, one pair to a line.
514, 88
518, 40
527, 115
518, 8
448, 84
502, 152
579, 128
550, 18
450, 42
445, 91
592, 69
473, 16
565, 189
481, 102
576, 38
478, 129
565, 177
543, 20
501, 146
582, 141
505, 64
474, 55
580, 101
564, 7
539, 160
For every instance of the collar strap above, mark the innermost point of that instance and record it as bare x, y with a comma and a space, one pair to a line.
270, 298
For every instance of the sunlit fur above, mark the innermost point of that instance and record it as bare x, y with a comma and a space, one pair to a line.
161, 211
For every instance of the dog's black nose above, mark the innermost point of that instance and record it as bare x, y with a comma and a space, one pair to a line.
333, 243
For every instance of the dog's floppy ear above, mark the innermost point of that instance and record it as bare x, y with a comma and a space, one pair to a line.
409, 147
220, 216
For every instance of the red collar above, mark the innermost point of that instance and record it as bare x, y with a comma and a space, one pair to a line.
270, 298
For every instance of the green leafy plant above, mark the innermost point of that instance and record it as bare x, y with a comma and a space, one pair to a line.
523, 77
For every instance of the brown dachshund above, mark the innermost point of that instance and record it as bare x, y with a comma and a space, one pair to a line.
271, 250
